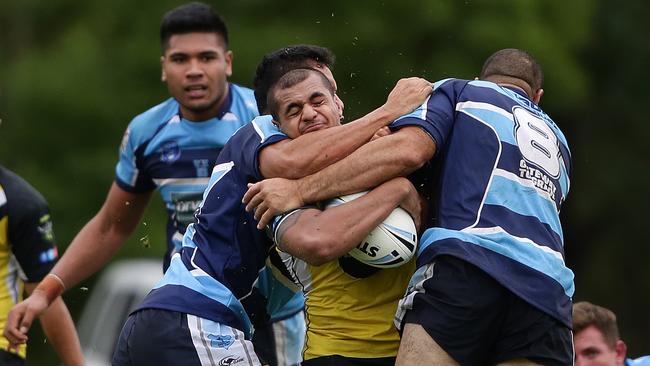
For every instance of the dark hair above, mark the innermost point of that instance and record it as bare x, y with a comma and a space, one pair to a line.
513, 63
279, 62
189, 18
586, 314
292, 78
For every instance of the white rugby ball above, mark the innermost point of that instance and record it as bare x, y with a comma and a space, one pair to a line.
390, 244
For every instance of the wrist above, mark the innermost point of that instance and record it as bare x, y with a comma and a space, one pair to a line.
385, 115
51, 287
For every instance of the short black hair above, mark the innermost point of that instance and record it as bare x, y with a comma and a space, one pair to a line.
292, 78
279, 62
189, 18
513, 63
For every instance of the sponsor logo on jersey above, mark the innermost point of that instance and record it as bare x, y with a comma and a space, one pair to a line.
170, 152
45, 228
230, 360
48, 255
221, 341
202, 167
185, 205
125, 140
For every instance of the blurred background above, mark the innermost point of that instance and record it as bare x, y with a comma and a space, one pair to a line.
73, 74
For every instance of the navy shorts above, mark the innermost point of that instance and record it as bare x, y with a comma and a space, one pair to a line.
160, 337
337, 360
477, 321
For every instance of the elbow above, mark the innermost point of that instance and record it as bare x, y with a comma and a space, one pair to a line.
319, 249
421, 149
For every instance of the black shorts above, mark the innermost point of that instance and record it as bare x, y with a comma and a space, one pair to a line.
10, 359
337, 360
477, 321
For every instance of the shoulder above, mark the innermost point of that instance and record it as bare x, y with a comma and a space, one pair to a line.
144, 125
244, 96
18, 195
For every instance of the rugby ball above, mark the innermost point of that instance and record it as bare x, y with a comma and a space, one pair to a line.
390, 244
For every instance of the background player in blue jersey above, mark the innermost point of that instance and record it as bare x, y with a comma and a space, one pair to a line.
597, 339
200, 312
171, 147
491, 265
27, 253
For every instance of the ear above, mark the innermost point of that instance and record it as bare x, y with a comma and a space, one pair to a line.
163, 76
621, 351
537, 95
339, 105
229, 57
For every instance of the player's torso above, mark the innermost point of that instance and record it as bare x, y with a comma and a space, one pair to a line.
11, 285
223, 250
350, 316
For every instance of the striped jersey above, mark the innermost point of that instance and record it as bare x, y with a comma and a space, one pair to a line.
502, 170
214, 276
160, 149
27, 248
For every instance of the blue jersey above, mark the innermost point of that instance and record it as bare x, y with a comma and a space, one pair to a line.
223, 252
502, 173
161, 149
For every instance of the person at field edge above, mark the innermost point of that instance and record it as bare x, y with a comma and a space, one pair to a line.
596, 338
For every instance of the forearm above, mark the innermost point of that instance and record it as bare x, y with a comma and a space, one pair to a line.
60, 331
89, 251
320, 236
391, 156
102, 236
313, 151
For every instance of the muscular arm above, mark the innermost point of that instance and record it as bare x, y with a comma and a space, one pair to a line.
60, 331
93, 246
398, 154
317, 236
313, 151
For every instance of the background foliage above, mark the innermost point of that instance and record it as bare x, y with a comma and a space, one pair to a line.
73, 74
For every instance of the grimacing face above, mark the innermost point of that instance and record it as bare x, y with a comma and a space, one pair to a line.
592, 350
196, 67
306, 107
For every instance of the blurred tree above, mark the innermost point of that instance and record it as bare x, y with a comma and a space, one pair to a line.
73, 74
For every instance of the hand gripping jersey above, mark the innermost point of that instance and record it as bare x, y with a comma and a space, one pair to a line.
161, 149
223, 252
502, 174
27, 249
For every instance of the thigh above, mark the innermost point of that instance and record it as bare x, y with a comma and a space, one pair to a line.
418, 348
458, 305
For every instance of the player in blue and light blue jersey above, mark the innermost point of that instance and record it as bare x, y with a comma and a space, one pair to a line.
498, 170
207, 297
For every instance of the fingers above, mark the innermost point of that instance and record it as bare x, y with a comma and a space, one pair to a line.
253, 189
266, 218
18, 323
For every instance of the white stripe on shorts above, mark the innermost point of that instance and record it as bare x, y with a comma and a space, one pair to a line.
217, 344
416, 285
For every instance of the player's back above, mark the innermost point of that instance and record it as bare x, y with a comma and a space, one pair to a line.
502, 174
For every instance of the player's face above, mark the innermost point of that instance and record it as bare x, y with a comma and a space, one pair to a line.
196, 67
328, 74
306, 107
591, 349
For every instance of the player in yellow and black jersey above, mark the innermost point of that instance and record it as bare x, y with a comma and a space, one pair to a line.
27, 253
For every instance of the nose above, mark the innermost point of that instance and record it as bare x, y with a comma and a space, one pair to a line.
194, 69
309, 113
